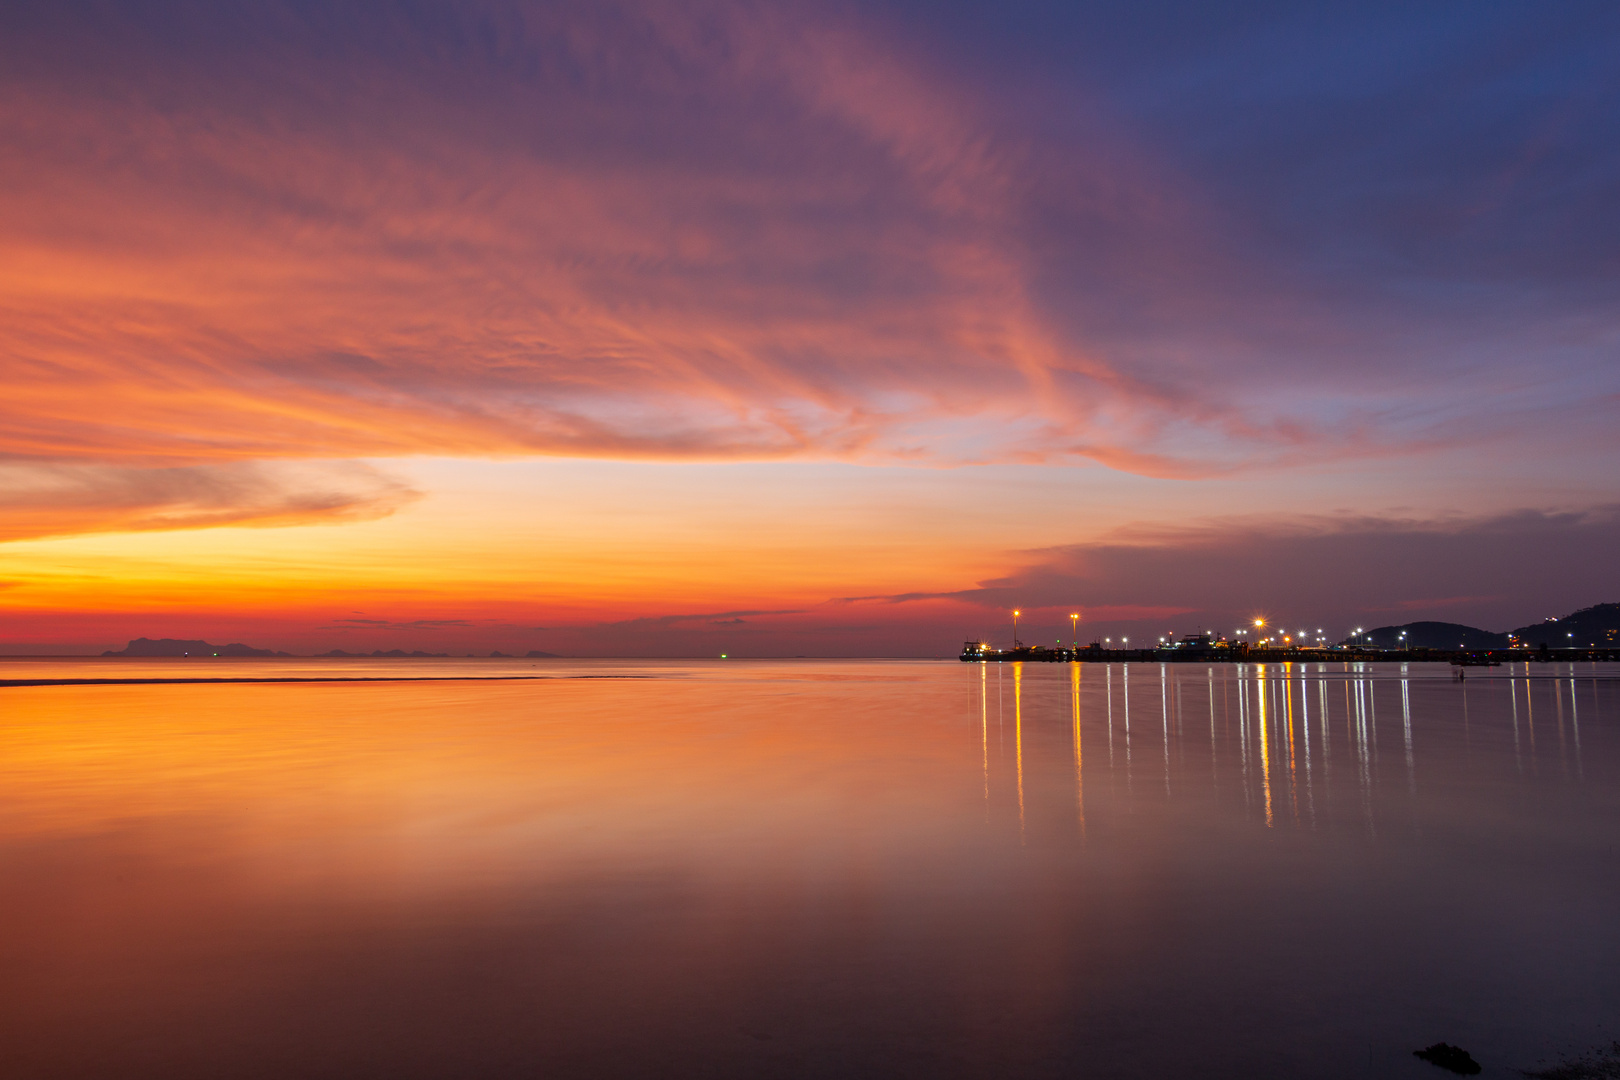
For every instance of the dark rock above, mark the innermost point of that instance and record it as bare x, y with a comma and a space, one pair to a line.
1452, 1058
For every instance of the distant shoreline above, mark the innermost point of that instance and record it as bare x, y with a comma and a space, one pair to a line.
308, 679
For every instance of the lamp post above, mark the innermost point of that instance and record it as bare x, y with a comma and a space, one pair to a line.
1074, 630
1015, 628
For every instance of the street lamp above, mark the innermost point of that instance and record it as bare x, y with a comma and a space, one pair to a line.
1015, 628
1074, 631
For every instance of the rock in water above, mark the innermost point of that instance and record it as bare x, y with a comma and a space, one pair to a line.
1454, 1058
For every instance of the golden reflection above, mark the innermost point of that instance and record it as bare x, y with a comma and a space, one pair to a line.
1079, 774
1018, 740
1530, 721
984, 734
1265, 747
1288, 721
1243, 732
269, 773
1305, 740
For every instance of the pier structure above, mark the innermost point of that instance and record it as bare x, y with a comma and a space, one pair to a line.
1211, 651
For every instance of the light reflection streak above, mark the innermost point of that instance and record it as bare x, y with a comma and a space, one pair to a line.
1284, 753
1530, 721
1558, 704
1164, 708
1305, 734
984, 735
1108, 674
1513, 701
1265, 742
1079, 760
1018, 730
1363, 741
1372, 714
1243, 732
1214, 757
1125, 678
1293, 760
1575, 726
1406, 720
1001, 725
1322, 714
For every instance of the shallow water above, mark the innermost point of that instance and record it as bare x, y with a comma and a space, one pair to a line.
806, 868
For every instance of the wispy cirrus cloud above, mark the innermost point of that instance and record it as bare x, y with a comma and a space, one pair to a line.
55, 499
713, 232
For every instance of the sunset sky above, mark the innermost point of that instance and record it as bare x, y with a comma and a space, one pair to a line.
816, 328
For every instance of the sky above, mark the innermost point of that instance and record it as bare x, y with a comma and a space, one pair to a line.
818, 328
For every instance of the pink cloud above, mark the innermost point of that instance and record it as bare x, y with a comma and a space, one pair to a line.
40, 499
780, 238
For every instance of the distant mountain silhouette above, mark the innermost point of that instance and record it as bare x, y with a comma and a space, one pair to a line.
175, 647
1598, 625
1431, 635
536, 654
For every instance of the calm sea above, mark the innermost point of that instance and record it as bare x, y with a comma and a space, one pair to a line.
805, 869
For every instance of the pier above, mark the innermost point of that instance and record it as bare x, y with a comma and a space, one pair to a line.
1221, 652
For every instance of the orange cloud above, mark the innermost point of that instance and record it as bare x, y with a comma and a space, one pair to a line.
38, 500
828, 259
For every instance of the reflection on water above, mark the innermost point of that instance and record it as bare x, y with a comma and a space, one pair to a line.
807, 869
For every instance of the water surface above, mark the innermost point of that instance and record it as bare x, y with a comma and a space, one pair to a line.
806, 868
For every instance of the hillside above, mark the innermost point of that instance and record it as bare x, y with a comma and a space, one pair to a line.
1431, 635
1587, 628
